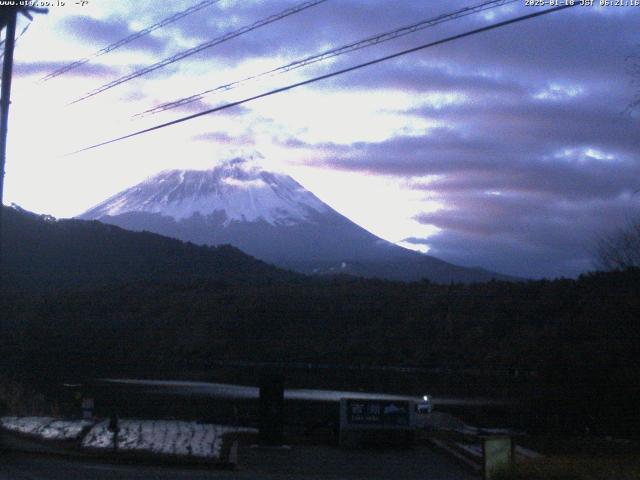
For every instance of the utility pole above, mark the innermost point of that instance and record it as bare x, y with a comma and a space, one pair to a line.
5, 100
8, 20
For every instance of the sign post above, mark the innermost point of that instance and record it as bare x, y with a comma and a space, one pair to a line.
271, 411
497, 456
379, 421
87, 406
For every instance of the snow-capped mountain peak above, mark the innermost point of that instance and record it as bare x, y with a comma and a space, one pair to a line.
240, 189
269, 216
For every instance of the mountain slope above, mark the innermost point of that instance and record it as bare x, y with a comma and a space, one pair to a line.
271, 217
42, 252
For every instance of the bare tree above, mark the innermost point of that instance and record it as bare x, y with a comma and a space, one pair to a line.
633, 70
619, 250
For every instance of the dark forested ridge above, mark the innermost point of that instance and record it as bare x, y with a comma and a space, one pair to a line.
45, 253
571, 345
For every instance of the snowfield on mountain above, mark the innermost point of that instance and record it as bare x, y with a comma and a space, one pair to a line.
271, 217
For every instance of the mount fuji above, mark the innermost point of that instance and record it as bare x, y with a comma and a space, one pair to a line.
269, 216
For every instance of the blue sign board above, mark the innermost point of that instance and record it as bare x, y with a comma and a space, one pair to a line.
380, 413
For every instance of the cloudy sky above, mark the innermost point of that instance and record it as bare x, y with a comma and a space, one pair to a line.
513, 149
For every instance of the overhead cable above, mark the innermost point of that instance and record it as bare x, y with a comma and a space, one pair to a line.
24, 30
131, 38
334, 52
192, 51
329, 75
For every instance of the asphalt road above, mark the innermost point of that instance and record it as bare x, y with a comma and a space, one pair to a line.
299, 463
15, 466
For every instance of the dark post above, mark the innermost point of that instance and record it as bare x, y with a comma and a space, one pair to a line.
5, 100
115, 429
271, 410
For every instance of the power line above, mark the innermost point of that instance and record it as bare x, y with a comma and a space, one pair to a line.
191, 51
24, 30
131, 38
329, 75
367, 42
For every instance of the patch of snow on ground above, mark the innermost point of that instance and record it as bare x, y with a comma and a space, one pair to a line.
46, 427
163, 437
99, 436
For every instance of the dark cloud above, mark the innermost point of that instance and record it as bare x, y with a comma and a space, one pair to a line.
564, 44
326, 25
218, 137
578, 44
101, 33
292, 35
528, 182
571, 181
237, 111
525, 234
245, 138
520, 212
44, 68
225, 138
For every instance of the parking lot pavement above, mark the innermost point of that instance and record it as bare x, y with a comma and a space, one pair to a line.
324, 462
303, 462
